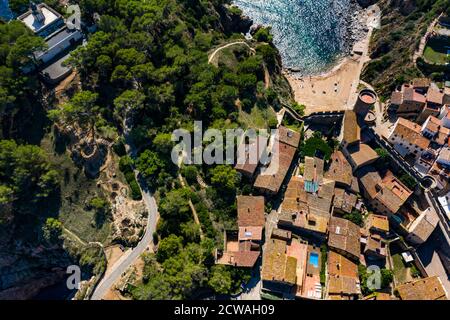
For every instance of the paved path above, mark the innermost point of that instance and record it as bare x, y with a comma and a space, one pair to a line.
122, 265
211, 57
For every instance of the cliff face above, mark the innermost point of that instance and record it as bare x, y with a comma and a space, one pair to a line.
26, 268
403, 23
232, 21
406, 7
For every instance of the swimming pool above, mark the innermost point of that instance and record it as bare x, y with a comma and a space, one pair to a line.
314, 259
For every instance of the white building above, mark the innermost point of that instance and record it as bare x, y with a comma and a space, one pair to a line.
42, 20
444, 157
445, 116
59, 42
61, 37
407, 138
422, 227
445, 203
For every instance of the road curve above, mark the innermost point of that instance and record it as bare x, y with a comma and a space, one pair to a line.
152, 209
122, 265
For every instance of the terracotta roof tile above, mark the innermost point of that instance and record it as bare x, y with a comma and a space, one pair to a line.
410, 132
250, 211
423, 289
340, 169
344, 235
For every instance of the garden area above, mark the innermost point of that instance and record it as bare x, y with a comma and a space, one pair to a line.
437, 50
402, 271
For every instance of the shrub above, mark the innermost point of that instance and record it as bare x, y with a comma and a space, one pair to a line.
263, 35
315, 144
135, 190
119, 148
324, 257
125, 164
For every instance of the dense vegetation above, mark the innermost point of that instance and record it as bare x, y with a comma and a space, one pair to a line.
26, 179
144, 71
403, 23
17, 91
385, 281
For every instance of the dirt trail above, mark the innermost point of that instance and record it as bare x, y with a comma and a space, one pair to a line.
213, 54
191, 205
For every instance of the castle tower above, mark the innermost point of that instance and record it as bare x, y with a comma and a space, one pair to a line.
366, 99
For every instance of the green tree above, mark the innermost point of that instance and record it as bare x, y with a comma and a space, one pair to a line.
190, 173
18, 6
224, 178
149, 164
102, 208
220, 279
129, 103
21, 53
386, 277
163, 144
25, 173
81, 109
316, 146
190, 231
355, 216
52, 229
300, 108
382, 153
174, 210
263, 35
169, 247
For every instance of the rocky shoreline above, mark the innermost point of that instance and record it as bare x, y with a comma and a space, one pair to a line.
356, 30
338, 29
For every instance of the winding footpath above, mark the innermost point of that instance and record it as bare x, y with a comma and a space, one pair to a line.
123, 264
211, 57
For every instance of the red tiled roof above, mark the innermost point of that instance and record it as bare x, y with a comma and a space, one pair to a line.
250, 211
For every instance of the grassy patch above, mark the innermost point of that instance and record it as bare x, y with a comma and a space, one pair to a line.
436, 50
400, 270
228, 56
257, 118
76, 191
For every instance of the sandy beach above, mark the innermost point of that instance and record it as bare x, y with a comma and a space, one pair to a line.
336, 89
327, 92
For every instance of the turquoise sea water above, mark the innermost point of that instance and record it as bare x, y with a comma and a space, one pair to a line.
310, 34
5, 12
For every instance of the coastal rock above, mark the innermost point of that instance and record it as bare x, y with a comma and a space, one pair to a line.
366, 3
254, 28
233, 21
32, 287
